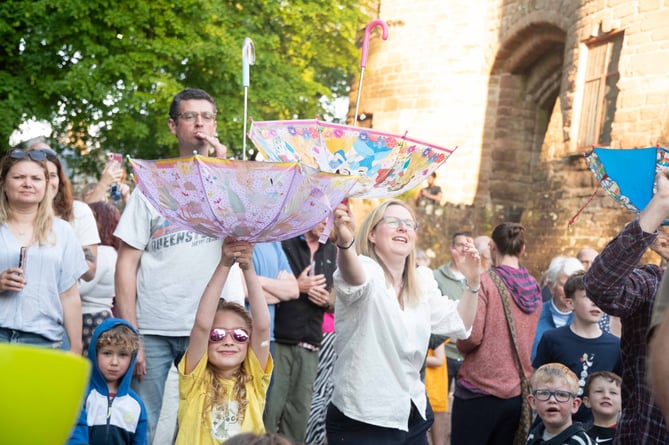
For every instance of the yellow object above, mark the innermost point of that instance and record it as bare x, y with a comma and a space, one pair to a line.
41, 391
436, 383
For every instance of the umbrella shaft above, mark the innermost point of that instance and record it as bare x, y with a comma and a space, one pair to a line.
246, 90
357, 102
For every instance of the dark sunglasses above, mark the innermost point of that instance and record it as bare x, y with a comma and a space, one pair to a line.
38, 154
238, 335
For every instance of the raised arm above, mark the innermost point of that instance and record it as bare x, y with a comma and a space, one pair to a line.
347, 260
261, 319
231, 251
657, 210
469, 300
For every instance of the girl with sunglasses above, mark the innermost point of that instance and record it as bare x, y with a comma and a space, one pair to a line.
385, 310
224, 375
40, 258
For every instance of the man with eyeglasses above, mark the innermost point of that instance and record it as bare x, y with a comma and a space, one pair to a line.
162, 269
451, 283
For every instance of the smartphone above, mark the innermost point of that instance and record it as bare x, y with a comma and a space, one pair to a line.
22, 258
115, 157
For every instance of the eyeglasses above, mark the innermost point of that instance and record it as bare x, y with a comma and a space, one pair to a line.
38, 154
395, 223
191, 116
238, 335
545, 395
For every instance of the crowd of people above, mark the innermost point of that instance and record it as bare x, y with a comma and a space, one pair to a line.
351, 341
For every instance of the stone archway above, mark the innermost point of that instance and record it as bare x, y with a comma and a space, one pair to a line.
525, 85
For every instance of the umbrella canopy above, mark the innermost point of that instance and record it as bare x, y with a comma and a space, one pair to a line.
247, 200
628, 175
388, 164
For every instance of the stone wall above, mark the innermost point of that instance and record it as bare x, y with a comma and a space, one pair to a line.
503, 81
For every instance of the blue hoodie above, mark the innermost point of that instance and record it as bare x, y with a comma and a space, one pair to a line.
106, 420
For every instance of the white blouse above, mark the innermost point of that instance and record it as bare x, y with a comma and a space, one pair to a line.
381, 348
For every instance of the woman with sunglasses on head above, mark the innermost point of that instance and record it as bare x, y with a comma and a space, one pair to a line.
385, 310
40, 258
77, 213
225, 373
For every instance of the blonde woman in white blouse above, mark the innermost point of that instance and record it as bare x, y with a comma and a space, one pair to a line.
386, 308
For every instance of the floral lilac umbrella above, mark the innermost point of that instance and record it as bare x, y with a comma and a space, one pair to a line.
247, 200
388, 164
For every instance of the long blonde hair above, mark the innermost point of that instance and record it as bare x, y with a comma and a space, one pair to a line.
43, 222
411, 288
217, 395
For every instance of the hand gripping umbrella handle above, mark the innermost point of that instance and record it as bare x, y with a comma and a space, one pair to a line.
365, 40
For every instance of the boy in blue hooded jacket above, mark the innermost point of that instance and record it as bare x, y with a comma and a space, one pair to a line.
112, 413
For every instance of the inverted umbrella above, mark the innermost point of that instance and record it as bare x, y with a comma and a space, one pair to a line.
247, 200
628, 175
388, 164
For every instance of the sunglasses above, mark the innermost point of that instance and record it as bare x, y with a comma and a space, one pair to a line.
238, 335
37, 155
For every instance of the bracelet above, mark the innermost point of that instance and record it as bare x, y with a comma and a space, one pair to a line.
471, 289
347, 247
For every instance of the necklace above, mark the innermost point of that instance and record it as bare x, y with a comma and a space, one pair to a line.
22, 232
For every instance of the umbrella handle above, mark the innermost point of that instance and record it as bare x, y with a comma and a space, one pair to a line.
365, 40
248, 58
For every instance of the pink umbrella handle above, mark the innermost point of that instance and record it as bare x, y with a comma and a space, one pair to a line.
365, 40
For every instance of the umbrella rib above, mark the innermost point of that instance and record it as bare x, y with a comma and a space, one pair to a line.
198, 165
273, 221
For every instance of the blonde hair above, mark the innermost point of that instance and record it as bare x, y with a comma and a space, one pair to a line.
43, 222
217, 395
364, 246
550, 372
120, 335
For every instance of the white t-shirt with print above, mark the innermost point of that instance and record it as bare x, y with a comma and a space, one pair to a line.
173, 271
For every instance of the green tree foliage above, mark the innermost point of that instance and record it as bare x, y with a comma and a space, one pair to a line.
103, 72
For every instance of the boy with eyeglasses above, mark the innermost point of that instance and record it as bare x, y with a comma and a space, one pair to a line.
581, 346
554, 399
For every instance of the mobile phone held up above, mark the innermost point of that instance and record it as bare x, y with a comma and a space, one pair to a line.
115, 190
115, 157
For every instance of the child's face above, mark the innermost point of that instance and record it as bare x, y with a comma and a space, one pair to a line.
228, 354
555, 415
604, 398
584, 309
113, 362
